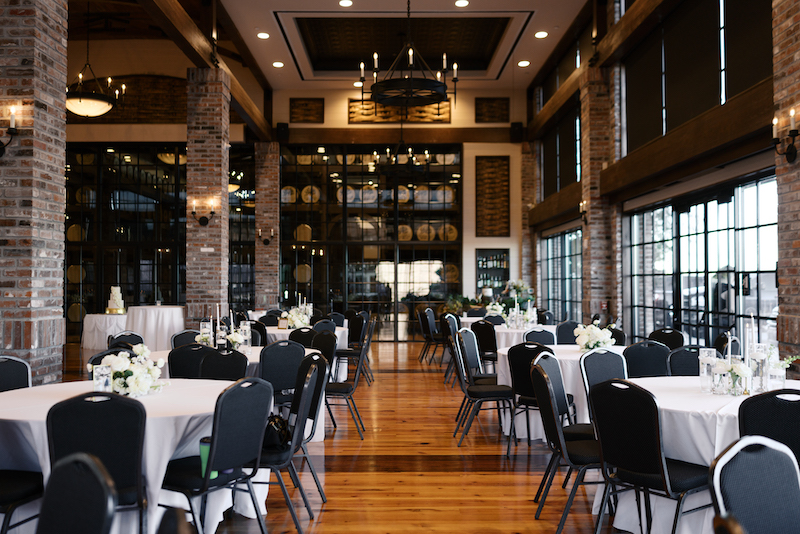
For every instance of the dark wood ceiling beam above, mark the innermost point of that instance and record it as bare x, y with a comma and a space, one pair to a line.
556, 209
552, 109
358, 136
720, 135
179, 26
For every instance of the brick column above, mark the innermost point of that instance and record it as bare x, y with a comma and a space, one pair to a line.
32, 186
786, 86
207, 143
596, 148
528, 201
268, 257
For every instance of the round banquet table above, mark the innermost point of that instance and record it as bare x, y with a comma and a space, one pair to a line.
156, 324
177, 417
569, 361
508, 337
98, 326
696, 427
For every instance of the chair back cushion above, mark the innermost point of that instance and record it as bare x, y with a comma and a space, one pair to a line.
668, 336
646, 358
549, 363
14, 373
325, 325
775, 414
185, 361
279, 363
325, 342
484, 331
231, 365
565, 333
684, 361
520, 360
184, 337
304, 335
539, 335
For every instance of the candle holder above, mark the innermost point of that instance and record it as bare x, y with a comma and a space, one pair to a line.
790, 152
11, 133
203, 220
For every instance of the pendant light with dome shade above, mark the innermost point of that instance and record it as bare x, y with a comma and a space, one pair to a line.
86, 95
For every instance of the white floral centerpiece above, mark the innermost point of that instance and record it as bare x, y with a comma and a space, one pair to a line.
235, 338
134, 374
591, 336
517, 287
738, 373
495, 308
204, 338
297, 318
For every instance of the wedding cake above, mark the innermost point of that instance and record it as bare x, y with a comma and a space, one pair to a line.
115, 303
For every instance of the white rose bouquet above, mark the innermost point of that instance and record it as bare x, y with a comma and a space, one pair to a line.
235, 338
591, 336
495, 308
297, 318
134, 374
204, 338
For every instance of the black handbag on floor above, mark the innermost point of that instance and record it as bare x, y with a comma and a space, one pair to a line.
278, 436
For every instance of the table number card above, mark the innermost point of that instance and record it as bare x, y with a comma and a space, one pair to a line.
283, 324
101, 376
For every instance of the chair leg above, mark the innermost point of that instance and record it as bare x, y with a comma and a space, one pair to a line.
603, 505
528, 424
347, 401
355, 408
578, 482
511, 432
678, 512
288, 501
475, 409
463, 402
313, 472
547, 486
251, 490
198, 524
293, 473
330, 412
553, 459
566, 478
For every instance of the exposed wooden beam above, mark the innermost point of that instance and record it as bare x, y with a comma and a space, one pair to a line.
179, 26
721, 134
552, 109
636, 24
357, 136
557, 208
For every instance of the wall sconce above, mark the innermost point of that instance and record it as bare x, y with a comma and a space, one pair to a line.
790, 152
266, 240
11, 131
203, 220
582, 209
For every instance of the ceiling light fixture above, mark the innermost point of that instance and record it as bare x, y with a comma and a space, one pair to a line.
541, 35
262, 35
523, 63
92, 100
462, 3
409, 82
345, 3
358, 84
277, 64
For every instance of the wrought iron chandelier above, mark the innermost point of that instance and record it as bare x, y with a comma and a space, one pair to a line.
409, 82
92, 100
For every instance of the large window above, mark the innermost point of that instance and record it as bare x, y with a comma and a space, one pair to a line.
561, 275
704, 264
358, 231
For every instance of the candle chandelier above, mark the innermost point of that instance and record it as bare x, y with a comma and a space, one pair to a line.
409, 82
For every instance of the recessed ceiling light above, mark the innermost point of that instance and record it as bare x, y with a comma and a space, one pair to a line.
345, 3
524, 63
540, 35
262, 35
358, 84
462, 3
277, 64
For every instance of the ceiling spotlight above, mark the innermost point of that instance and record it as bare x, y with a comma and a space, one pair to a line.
262, 35
345, 3
540, 35
358, 84
523, 63
277, 64
462, 3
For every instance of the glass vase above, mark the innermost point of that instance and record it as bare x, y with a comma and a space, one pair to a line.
777, 378
759, 363
721, 383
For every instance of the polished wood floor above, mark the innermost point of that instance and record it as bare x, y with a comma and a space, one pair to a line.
408, 475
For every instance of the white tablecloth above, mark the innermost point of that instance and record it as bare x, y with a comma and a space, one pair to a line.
696, 427
156, 324
569, 360
177, 418
98, 326
508, 337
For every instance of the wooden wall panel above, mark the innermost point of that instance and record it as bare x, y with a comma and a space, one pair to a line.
311, 110
365, 113
492, 187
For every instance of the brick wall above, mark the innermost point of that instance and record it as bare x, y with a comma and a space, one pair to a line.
207, 248
33, 73
596, 149
268, 257
532, 188
786, 85
528, 255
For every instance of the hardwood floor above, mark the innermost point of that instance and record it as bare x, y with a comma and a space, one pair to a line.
408, 475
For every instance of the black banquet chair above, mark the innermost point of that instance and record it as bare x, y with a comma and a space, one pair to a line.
538, 334
325, 325
668, 336
15, 373
125, 339
646, 359
628, 424
185, 337
229, 365
337, 318
185, 361
684, 361
276, 458
237, 436
323, 374
18, 487
278, 365
774, 414
565, 332
82, 423
757, 480
80, 497
304, 335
